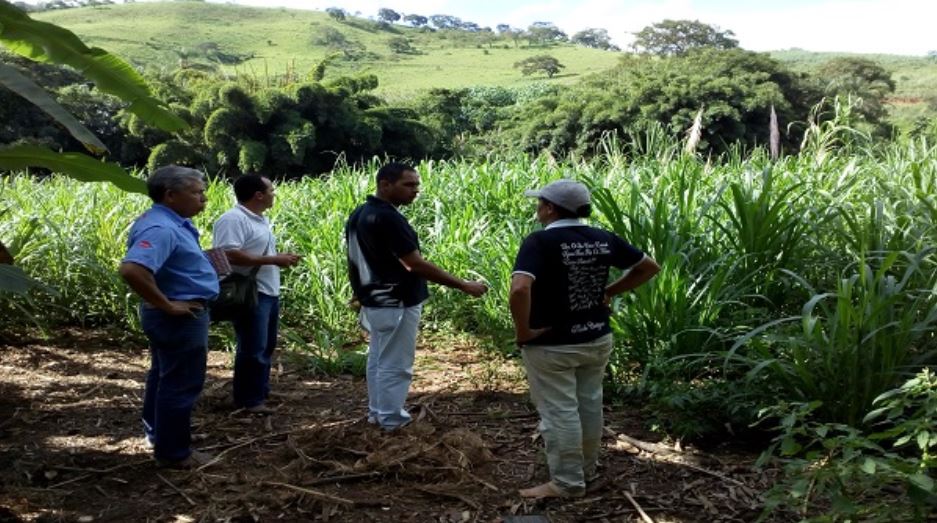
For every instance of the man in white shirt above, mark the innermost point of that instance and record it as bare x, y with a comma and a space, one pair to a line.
245, 235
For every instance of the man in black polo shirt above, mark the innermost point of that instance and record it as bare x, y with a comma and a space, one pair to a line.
559, 303
388, 276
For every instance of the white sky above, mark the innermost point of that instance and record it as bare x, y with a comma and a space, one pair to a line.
862, 26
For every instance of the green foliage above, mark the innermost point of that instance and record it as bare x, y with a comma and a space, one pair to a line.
542, 63
863, 79
290, 131
337, 13
835, 472
678, 37
401, 45
735, 89
544, 33
388, 15
595, 38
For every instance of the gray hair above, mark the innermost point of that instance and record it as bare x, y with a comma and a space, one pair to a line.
171, 178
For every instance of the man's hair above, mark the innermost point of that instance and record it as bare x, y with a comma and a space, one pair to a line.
582, 212
392, 172
247, 186
170, 178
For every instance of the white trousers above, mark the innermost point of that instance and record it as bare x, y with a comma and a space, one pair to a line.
390, 361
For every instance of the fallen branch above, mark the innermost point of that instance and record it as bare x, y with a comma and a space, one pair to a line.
251, 441
322, 496
483, 482
439, 492
177, 489
339, 479
644, 516
714, 474
653, 448
92, 472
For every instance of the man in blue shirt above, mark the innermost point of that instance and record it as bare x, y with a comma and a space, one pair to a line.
168, 269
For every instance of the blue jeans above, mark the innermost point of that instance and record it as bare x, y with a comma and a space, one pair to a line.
179, 353
390, 361
256, 333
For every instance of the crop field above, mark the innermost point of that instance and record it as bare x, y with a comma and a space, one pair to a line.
746, 247
806, 279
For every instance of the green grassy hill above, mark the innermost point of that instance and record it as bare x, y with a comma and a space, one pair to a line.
272, 41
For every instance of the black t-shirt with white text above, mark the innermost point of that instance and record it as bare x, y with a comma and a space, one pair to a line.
570, 265
377, 236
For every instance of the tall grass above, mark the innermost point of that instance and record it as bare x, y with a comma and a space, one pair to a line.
838, 244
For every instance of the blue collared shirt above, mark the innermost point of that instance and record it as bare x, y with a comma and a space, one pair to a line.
167, 245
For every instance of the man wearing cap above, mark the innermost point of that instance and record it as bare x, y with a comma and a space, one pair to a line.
168, 269
245, 235
559, 303
388, 276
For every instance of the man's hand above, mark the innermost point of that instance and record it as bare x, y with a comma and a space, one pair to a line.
522, 336
286, 259
182, 308
473, 288
354, 304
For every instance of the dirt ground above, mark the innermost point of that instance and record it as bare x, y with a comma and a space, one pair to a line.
71, 448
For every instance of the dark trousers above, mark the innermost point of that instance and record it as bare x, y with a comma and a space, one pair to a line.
256, 333
179, 353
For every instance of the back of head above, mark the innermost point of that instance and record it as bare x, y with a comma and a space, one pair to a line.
570, 198
246, 186
171, 178
392, 172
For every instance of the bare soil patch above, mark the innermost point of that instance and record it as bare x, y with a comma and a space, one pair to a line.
71, 448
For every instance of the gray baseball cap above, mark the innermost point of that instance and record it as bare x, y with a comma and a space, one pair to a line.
568, 194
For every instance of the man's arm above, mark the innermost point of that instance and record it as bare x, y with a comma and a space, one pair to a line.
415, 263
244, 258
141, 280
519, 301
639, 274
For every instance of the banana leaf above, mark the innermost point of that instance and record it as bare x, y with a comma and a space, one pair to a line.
45, 42
15, 81
76, 165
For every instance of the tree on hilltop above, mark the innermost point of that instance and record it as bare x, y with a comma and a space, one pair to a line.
337, 13
388, 15
677, 37
445, 21
543, 63
544, 33
595, 38
416, 20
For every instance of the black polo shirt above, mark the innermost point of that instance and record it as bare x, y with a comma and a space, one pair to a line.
376, 237
570, 263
